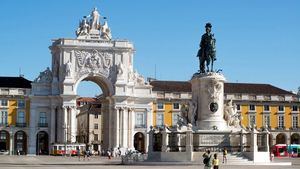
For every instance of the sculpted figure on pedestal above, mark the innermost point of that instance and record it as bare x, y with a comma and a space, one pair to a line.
44, 77
207, 51
95, 23
105, 32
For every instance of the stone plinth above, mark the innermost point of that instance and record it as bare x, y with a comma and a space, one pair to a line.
208, 95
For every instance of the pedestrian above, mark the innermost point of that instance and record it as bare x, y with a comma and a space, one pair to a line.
207, 160
78, 153
108, 154
215, 161
272, 156
224, 155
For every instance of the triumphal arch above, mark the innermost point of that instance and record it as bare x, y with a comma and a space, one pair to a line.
92, 56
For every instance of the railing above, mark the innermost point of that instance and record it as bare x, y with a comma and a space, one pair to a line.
43, 124
21, 124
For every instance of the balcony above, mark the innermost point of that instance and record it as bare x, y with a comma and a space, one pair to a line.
21, 125
42, 124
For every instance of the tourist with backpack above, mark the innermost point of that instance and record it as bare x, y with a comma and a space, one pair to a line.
207, 160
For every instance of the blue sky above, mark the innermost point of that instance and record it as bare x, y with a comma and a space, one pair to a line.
257, 40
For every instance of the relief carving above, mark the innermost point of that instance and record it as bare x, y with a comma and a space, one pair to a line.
93, 62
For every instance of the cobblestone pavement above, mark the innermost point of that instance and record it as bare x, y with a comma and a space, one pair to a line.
45, 162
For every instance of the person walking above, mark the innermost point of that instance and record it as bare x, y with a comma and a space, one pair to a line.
224, 155
215, 161
78, 153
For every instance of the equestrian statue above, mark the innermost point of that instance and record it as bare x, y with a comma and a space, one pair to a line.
207, 51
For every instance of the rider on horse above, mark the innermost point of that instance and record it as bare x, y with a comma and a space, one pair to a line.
207, 51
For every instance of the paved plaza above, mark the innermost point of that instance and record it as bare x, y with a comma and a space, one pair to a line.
19, 162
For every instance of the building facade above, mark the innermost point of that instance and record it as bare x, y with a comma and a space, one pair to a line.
89, 123
14, 114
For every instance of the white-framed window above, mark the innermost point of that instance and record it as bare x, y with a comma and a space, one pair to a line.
140, 120
176, 106
175, 118
43, 118
281, 108
21, 117
4, 103
280, 121
21, 104
95, 125
266, 108
159, 119
252, 107
3, 117
294, 108
160, 106
252, 119
267, 120
96, 116
295, 121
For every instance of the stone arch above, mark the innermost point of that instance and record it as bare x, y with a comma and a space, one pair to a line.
295, 138
20, 140
103, 82
281, 138
139, 142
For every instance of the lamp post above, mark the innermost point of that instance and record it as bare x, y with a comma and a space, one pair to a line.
11, 138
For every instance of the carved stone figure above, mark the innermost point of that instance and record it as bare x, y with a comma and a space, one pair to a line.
95, 23
207, 51
44, 77
230, 114
193, 111
68, 66
120, 69
105, 32
83, 28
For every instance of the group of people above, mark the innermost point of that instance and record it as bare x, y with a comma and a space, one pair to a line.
211, 161
86, 154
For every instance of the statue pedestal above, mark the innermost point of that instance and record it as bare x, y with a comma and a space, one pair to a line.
208, 93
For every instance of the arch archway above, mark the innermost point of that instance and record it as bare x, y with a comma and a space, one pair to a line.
281, 138
86, 133
139, 142
105, 85
4, 141
295, 138
42, 143
20, 142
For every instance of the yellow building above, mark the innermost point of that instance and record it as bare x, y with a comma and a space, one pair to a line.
14, 114
261, 104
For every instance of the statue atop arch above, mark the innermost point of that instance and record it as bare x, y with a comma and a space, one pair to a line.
91, 28
207, 51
